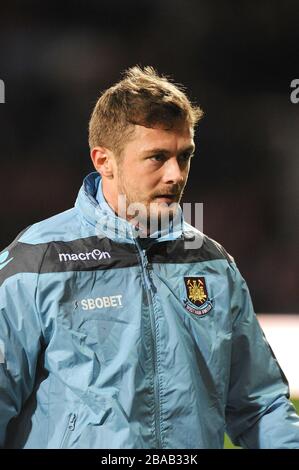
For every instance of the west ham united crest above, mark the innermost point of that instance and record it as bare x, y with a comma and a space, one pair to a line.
197, 300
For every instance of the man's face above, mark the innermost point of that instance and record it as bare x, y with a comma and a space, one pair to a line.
153, 169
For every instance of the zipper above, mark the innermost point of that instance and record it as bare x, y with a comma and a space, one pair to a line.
69, 429
148, 284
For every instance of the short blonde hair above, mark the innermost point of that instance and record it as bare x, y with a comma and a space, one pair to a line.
144, 98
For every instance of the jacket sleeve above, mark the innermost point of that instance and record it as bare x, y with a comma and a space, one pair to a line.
258, 413
20, 335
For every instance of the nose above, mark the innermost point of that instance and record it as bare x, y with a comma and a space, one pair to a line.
173, 173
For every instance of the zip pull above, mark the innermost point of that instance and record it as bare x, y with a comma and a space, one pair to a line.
146, 272
147, 268
145, 259
72, 422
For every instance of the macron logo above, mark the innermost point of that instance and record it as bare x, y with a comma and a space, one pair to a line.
3, 259
96, 254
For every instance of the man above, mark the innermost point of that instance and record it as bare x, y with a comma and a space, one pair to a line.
116, 334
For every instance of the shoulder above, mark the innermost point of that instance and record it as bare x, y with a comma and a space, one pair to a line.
26, 253
203, 246
64, 226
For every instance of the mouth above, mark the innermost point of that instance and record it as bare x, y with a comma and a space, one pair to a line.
166, 198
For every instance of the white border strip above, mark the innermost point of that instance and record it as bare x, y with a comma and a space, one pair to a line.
282, 333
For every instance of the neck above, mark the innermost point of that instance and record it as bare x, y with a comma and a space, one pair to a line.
111, 195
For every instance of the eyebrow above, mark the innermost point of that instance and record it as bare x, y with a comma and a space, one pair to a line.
189, 149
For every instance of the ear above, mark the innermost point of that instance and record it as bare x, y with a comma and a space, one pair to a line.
102, 159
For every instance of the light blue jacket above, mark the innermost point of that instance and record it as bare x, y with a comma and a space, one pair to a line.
110, 341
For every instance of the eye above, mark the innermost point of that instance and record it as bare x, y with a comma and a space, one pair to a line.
185, 157
159, 157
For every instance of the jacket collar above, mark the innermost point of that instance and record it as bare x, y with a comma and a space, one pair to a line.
97, 212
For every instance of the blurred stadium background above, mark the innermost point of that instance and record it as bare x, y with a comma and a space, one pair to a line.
237, 60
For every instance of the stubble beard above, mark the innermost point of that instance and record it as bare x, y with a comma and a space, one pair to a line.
149, 215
